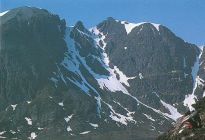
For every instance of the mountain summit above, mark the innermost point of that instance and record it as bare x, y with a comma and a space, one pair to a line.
117, 80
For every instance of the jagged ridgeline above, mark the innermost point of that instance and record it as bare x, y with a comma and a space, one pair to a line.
117, 80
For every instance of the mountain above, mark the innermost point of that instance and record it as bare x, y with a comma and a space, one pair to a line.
153, 52
117, 80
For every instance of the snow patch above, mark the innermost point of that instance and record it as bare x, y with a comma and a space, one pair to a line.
12, 132
3, 13
61, 104
94, 125
85, 132
180, 131
190, 98
201, 47
39, 128
149, 117
67, 119
130, 26
28, 102
29, 121
33, 135
195, 70
199, 81
165, 115
69, 129
156, 25
112, 84
119, 117
141, 76
14, 106
1, 133
174, 114
122, 77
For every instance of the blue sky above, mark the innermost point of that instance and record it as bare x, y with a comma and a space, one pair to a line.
186, 18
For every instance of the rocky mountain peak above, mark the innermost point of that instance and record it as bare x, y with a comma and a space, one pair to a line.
128, 84
142, 28
79, 25
110, 19
29, 38
24, 13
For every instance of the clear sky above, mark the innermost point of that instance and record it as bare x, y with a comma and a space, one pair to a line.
186, 18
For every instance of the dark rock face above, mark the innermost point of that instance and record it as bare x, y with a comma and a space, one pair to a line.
195, 133
61, 82
30, 47
158, 55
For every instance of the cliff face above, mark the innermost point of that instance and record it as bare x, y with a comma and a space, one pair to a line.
197, 132
118, 80
31, 43
154, 52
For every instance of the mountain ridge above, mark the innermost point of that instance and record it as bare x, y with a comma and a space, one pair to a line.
93, 87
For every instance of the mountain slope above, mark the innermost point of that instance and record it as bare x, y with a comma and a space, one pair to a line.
191, 133
161, 62
195, 103
117, 80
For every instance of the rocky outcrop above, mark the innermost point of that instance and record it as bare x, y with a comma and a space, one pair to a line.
183, 133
